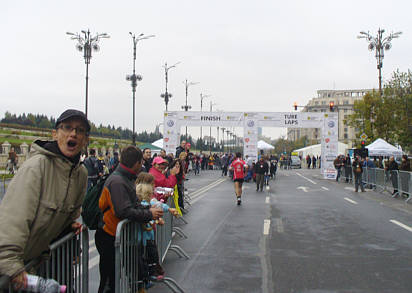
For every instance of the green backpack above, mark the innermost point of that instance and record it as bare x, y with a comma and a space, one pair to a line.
91, 213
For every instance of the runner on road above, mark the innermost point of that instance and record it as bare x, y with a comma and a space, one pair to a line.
238, 166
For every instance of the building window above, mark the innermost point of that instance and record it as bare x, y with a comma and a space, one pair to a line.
346, 102
322, 110
323, 102
346, 129
345, 110
316, 103
345, 135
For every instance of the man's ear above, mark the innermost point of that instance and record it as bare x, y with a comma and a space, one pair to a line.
54, 134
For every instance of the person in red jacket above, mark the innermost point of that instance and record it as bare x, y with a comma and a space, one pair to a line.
159, 170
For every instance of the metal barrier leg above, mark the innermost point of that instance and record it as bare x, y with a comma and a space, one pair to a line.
172, 284
179, 231
182, 219
179, 251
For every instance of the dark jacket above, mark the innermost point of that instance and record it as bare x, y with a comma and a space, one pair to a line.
357, 164
119, 194
393, 166
261, 167
179, 149
405, 166
93, 166
147, 165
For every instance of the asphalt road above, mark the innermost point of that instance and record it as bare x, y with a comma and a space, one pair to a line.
304, 234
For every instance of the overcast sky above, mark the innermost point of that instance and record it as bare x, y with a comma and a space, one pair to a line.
248, 55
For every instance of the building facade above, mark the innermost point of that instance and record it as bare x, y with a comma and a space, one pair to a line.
343, 104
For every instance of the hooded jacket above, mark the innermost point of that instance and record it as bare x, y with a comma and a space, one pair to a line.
43, 198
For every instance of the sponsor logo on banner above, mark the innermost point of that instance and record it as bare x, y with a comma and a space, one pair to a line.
166, 139
331, 124
247, 139
251, 123
170, 123
327, 140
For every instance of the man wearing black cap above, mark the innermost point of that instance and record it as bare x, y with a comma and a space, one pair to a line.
44, 198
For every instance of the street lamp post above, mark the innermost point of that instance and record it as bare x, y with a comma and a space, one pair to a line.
379, 44
166, 96
87, 44
223, 138
186, 107
202, 97
210, 128
134, 78
228, 139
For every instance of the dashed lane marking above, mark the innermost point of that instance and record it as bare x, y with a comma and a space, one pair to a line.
279, 225
266, 227
401, 225
267, 199
325, 188
349, 200
310, 180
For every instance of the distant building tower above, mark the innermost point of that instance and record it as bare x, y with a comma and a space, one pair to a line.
343, 104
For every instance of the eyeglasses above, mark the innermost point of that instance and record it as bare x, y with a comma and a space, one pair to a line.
68, 129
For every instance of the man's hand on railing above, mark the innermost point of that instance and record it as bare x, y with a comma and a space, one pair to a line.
77, 228
174, 212
20, 281
156, 213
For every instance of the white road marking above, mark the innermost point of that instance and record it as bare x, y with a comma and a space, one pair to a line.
350, 188
207, 187
266, 227
268, 187
267, 199
210, 186
305, 189
279, 225
401, 225
351, 201
310, 180
325, 188
94, 262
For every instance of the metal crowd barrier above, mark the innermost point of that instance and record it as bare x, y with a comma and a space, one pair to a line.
128, 248
399, 183
67, 263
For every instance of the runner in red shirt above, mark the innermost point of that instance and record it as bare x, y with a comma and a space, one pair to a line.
238, 166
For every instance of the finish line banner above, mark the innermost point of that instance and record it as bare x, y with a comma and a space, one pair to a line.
225, 119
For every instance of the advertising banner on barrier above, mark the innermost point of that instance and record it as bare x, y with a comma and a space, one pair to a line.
171, 132
329, 145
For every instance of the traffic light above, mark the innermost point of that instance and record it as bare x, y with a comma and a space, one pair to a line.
295, 105
331, 104
362, 144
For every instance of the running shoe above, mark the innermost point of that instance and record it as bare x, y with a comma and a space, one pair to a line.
239, 201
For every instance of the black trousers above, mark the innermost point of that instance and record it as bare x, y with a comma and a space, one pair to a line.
105, 247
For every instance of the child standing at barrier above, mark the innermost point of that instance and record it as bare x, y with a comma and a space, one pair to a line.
144, 191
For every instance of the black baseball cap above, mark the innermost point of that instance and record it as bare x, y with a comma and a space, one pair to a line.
71, 113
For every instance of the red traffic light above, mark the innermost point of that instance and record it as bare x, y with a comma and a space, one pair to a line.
331, 105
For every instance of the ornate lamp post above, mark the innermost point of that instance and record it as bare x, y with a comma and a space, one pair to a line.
379, 44
186, 107
166, 96
86, 44
223, 138
134, 78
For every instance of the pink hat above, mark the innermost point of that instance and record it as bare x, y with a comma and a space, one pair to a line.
159, 160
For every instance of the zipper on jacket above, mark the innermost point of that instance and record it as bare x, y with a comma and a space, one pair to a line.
68, 185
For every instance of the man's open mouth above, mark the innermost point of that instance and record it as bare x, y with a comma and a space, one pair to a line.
71, 143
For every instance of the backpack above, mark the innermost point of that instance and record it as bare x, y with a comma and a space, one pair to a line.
91, 213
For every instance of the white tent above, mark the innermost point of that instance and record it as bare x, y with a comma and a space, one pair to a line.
381, 148
262, 145
158, 143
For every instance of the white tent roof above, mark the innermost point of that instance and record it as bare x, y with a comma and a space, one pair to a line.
158, 143
381, 148
262, 145
315, 150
